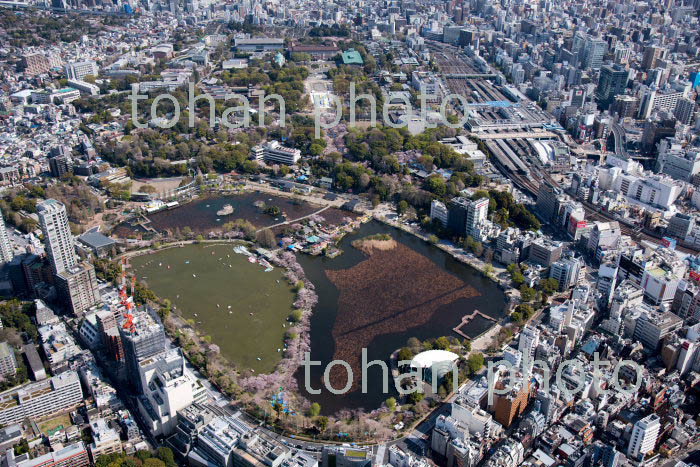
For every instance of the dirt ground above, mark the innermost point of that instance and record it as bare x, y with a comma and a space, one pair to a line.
160, 184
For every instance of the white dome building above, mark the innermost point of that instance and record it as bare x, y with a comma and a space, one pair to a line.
438, 362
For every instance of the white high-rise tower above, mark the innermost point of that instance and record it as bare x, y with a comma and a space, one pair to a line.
644, 436
6, 253
58, 238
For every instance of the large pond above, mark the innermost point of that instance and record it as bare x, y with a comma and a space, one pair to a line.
379, 301
201, 215
243, 308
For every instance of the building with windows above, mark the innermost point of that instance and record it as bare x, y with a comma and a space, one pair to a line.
680, 225
145, 339
73, 455
79, 70
685, 110
604, 235
168, 386
611, 83
274, 152
8, 362
477, 212
593, 52
342, 456
259, 44
438, 211
105, 440
528, 341
677, 161
58, 345
6, 252
544, 251
78, 287
58, 238
644, 435
567, 272
653, 326
38, 63
40, 399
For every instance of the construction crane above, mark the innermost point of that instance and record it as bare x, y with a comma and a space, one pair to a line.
128, 304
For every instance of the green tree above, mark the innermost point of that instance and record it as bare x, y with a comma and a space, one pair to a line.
405, 354
436, 185
525, 310
467, 344
527, 293
416, 397
518, 278
296, 315
402, 207
315, 409
475, 362
391, 404
153, 462
442, 343
549, 285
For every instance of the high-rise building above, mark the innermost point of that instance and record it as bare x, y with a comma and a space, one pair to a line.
477, 210
77, 282
438, 211
604, 235
685, 110
651, 55
168, 386
686, 300
59, 165
457, 214
625, 106
548, 204
529, 339
644, 436
78, 287
593, 52
567, 272
36, 63
145, 339
59, 240
612, 81
8, 363
6, 253
652, 327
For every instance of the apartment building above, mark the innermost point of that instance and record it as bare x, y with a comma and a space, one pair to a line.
79, 70
73, 455
8, 363
274, 152
36, 400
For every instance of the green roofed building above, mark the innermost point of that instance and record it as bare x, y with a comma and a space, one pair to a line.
352, 57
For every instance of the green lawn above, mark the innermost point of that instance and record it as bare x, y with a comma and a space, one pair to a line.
62, 421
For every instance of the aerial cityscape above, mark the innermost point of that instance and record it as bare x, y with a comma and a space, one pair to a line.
336, 233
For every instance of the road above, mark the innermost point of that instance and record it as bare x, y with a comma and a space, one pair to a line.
619, 137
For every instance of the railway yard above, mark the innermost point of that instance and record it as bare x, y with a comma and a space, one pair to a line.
521, 138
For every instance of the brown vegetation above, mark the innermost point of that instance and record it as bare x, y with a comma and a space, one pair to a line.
391, 291
367, 245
